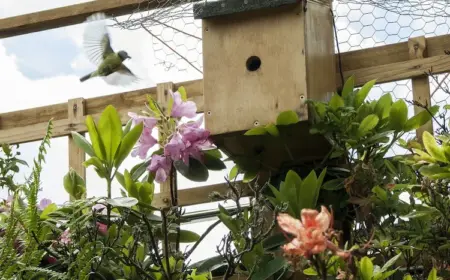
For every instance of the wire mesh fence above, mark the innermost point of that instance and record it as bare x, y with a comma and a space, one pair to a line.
360, 24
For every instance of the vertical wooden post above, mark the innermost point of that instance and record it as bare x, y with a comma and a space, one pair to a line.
76, 155
420, 85
162, 95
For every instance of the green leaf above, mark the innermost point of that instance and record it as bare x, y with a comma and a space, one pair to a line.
432, 147
260, 130
287, 118
380, 193
125, 202
187, 236
127, 127
419, 214
47, 210
368, 123
153, 106
390, 262
363, 92
274, 241
433, 274
272, 267
398, 115
146, 192
74, 184
213, 163
249, 176
307, 192
82, 143
97, 144
407, 277
383, 106
110, 131
336, 102
366, 268
349, 87
128, 143
233, 172
334, 184
435, 172
130, 185
229, 223
120, 178
421, 119
139, 169
310, 271
183, 93
209, 264
196, 171
272, 130
213, 152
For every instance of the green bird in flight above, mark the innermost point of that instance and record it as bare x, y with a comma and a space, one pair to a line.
97, 46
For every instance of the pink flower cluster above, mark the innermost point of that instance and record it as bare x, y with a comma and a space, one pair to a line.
311, 234
187, 141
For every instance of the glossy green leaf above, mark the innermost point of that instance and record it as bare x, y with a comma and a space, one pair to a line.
110, 131
127, 127
398, 115
307, 192
74, 184
275, 241
272, 130
146, 192
293, 182
349, 87
368, 123
260, 130
249, 176
334, 184
213, 163
196, 171
128, 143
435, 172
310, 271
363, 92
419, 214
83, 143
183, 93
47, 210
380, 193
233, 172
407, 277
433, 148
229, 223
336, 102
213, 152
390, 262
130, 185
269, 269
433, 274
97, 144
420, 119
209, 264
125, 202
287, 118
139, 169
383, 106
366, 268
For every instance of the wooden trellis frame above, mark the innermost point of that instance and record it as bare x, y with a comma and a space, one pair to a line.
386, 64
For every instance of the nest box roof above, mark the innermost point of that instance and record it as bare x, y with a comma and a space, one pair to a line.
225, 7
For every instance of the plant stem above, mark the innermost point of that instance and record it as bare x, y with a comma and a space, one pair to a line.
108, 207
165, 230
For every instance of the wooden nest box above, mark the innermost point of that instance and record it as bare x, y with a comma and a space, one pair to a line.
260, 58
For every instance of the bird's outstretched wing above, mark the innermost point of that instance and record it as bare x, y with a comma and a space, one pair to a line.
122, 77
97, 43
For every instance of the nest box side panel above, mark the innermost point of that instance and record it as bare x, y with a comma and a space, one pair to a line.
320, 52
254, 67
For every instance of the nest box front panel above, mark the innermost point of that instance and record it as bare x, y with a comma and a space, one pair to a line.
254, 68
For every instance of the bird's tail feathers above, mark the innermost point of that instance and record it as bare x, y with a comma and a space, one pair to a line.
87, 77
96, 16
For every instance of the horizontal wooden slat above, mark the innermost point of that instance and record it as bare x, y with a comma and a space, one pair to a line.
33, 122
401, 70
391, 53
192, 196
73, 14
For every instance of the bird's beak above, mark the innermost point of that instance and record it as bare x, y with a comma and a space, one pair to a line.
129, 57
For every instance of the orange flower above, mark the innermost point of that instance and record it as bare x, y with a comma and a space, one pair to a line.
310, 233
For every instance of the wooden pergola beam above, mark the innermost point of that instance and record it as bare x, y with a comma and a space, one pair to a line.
74, 14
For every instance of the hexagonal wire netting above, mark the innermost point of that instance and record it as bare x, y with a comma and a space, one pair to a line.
360, 24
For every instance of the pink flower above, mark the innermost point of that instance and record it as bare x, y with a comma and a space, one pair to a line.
44, 203
310, 238
102, 228
149, 122
182, 108
161, 165
51, 260
175, 148
146, 142
65, 237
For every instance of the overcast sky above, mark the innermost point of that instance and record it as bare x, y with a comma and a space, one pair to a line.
44, 68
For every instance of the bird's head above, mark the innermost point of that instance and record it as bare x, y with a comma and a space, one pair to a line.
123, 55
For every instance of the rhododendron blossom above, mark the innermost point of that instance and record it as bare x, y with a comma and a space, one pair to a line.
182, 108
310, 234
44, 203
102, 228
161, 166
146, 142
